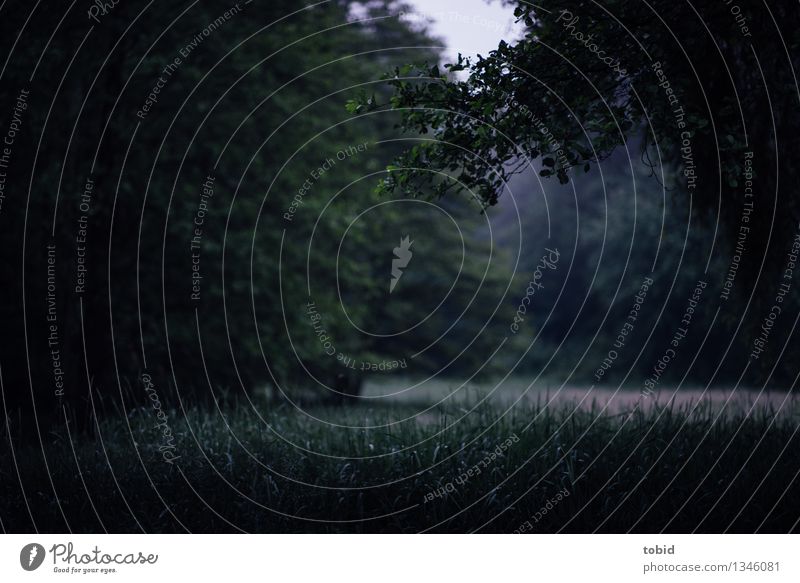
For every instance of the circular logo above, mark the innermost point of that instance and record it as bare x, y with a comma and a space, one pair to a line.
31, 556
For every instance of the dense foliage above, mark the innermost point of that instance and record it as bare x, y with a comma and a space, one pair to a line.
200, 184
704, 97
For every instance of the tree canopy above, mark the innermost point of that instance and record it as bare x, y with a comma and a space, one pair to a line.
691, 87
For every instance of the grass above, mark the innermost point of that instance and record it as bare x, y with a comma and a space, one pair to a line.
278, 470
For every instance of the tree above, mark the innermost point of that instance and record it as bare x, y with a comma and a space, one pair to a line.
699, 90
197, 140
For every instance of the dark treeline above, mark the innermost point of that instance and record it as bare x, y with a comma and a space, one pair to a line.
157, 145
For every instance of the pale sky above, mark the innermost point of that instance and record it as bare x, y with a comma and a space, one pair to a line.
467, 26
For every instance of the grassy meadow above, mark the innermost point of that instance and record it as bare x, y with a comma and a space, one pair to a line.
470, 462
